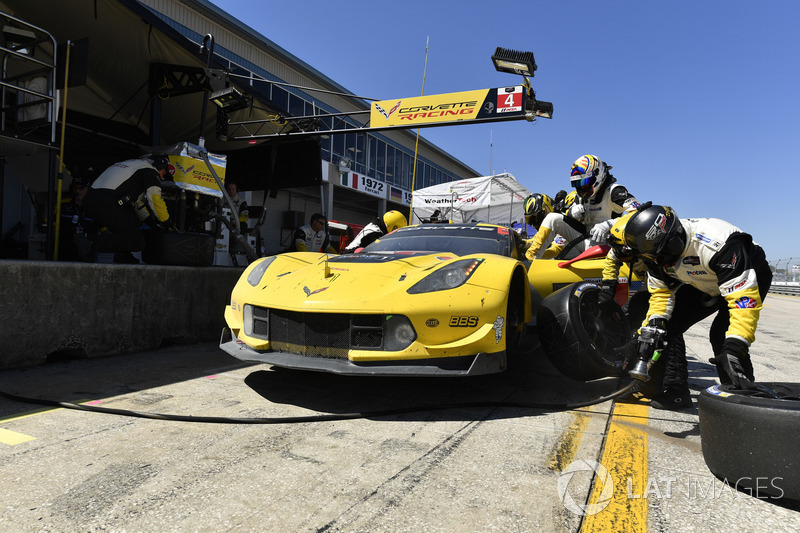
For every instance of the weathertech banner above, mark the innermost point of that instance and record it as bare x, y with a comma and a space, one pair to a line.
484, 104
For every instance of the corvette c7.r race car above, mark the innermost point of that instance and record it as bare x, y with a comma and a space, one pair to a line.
431, 299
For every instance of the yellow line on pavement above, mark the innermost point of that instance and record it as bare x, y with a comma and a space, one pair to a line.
12, 438
625, 458
567, 446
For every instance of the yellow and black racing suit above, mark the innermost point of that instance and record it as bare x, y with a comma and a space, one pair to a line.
721, 270
123, 196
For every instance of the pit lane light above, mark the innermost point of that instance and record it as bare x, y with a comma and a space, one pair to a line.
230, 99
514, 62
523, 63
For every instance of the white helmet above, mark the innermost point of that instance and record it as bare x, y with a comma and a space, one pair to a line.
588, 175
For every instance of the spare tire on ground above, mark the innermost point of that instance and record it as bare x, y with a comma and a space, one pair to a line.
179, 249
750, 438
584, 335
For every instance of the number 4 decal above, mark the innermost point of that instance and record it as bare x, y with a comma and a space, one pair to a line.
509, 99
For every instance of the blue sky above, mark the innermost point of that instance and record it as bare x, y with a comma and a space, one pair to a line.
694, 104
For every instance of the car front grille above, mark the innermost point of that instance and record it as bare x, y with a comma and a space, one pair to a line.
318, 334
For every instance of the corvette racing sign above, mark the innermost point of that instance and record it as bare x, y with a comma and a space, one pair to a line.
450, 107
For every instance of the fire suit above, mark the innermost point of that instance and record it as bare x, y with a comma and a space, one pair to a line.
610, 202
307, 240
123, 196
721, 270
371, 232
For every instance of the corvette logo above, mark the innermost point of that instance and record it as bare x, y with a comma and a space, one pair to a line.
184, 170
383, 112
309, 292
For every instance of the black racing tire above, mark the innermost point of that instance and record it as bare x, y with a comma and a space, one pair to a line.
178, 248
583, 335
749, 439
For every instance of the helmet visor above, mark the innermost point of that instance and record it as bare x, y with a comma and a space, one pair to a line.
585, 185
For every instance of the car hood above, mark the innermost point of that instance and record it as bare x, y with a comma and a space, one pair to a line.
366, 282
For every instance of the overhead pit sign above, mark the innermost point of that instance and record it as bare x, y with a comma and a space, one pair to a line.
483, 104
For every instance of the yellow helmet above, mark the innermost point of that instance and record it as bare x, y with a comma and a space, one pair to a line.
616, 237
537, 206
569, 200
394, 220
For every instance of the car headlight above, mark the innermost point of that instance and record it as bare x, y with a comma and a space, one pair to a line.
448, 277
255, 275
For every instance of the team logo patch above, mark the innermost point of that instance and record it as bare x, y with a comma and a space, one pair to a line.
657, 228
702, 238
745, 302
692, 260
696, 272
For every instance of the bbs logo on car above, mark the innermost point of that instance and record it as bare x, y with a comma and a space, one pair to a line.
463, 321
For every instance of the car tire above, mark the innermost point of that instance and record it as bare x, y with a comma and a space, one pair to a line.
750, 439
584, 336
178, 248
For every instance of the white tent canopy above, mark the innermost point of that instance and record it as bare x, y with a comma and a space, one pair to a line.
495, 199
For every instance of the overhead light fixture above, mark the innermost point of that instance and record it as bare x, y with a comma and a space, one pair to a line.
514, 62
230, 99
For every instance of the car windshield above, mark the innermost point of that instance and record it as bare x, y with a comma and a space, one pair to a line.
459, 240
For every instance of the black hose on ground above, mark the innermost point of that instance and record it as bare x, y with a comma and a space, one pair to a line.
314, 418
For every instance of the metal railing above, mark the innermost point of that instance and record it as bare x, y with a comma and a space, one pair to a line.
27, 80
783, 288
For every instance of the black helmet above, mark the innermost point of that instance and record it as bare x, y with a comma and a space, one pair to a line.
160, 161
537, 206
656, 234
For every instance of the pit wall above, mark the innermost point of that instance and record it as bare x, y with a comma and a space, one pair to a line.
55, 311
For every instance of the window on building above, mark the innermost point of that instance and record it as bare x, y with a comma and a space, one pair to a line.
297, 106
390, 154
407, 160
361, 154
380, 161
338, 146
280, 97
372, 155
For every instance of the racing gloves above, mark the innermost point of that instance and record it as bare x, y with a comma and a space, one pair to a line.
599, 230
734, 364
608, 289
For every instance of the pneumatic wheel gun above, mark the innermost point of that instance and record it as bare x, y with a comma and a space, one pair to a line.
651, 342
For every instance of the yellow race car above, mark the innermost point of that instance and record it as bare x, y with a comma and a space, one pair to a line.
431, 299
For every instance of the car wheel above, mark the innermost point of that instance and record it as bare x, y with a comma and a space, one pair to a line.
583, 335
749, 438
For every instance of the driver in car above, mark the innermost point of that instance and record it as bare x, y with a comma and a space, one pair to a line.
599, 200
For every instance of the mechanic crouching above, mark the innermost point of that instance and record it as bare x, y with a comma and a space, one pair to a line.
696, 267
121, 198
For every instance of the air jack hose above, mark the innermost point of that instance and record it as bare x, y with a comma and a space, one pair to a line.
314, 418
